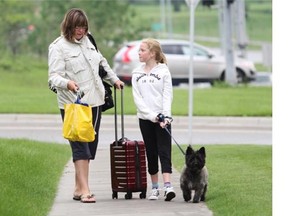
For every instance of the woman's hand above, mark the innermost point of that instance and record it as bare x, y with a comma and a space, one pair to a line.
119, 84
72, 86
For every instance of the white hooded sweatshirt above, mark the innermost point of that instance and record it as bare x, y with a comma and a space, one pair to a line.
152, 91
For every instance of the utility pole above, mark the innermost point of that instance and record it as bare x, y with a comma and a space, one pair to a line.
241, 34
221, 25
163, 17
230, 72
170, 27
192, 5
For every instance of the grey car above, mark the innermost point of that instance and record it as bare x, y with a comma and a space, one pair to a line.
208, 66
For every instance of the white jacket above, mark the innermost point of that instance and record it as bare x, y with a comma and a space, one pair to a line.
79, 62
152, 92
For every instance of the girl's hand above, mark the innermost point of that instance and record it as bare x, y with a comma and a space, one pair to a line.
164, 124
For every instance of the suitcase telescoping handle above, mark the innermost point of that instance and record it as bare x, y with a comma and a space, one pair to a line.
115, 115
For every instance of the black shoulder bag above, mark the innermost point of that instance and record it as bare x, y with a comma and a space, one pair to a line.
102, 73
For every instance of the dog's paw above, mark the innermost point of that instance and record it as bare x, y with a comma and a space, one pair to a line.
187, 198
195, 201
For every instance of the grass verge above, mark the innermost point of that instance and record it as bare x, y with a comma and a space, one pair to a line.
240, 178
30, 172
258, 20
27, 92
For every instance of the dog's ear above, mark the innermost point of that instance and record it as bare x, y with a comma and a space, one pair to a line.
189, 150
202, 151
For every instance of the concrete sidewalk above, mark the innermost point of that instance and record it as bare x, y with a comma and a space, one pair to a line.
100, 185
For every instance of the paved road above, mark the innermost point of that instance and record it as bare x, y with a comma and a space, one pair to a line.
205, 130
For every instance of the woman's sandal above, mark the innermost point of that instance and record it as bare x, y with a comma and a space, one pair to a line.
88, 198
77, 197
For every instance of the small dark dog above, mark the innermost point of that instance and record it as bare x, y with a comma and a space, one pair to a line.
195, 175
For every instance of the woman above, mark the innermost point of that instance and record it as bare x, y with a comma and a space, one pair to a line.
73, 65
152, 92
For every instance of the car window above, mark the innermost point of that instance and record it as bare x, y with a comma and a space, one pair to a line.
172, 49
178, 49
185, 50
200, 52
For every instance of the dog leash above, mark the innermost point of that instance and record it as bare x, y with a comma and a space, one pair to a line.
175, 141
162, 118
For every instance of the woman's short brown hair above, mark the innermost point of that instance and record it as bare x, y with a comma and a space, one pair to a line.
75, 17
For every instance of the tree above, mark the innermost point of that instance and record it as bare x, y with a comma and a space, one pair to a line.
15, 18
47, 22
30, 26
177, 4
208, 3
109, 22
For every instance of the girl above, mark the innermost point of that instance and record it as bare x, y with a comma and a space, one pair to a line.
152, 92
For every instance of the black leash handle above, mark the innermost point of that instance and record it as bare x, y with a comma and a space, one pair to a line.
175, 141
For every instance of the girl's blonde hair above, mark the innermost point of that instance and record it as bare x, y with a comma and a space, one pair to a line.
75, 17
154, 46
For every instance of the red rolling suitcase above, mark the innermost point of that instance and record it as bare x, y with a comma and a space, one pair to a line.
128, 162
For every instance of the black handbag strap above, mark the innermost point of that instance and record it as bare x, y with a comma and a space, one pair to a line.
92, 40
102, 72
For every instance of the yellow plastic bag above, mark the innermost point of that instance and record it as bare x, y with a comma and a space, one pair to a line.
77, 124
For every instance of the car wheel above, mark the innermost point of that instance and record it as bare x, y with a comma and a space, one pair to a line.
240, 76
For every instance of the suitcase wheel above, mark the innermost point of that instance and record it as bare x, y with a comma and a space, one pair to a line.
142, 195
128, 195
115, 195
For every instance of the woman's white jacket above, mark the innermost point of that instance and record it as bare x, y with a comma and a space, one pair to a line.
78, 61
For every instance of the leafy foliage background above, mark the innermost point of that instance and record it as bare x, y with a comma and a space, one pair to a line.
30, 26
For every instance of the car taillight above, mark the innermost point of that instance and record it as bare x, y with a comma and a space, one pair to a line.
126, 58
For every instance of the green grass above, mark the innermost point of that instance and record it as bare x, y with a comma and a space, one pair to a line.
234, 101
24, 86
258, 23
30, 172
24, 89
240, 178
259, 17
262, 68
216, 101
